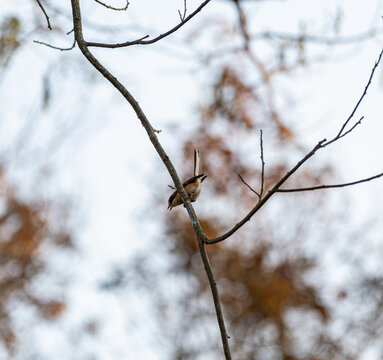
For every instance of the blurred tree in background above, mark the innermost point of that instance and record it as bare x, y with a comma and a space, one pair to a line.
275, 274
28, 231
33, 225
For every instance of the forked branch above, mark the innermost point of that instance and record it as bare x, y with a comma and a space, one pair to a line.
321, 187
165, 159
77, 22
141, 40
361, 98
321, 144
267, 196
202, 239
250, 188
260, 193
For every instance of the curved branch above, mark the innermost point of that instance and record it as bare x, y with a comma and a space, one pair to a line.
362, 97
111, 7
271, 192
132, 101
250, 188
320, 187
152, 41
165, 159
322, 144
45, 13
134, 104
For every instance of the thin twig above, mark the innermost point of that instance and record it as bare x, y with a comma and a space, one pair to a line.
56, 47
363, 95
268, 195
154, 40
256, 193
320, 187
260, 194
263, 167
45, 13
111, 7
182, 17
322, 144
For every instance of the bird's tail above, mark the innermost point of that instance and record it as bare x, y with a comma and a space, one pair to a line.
196, 162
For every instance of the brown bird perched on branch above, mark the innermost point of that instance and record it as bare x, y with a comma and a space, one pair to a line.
192, 186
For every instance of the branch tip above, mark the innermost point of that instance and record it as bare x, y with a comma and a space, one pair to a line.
161, 152
111, 7
321, 187
55, 47
46, 15
154, 40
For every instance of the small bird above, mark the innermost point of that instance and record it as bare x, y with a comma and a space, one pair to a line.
193, 186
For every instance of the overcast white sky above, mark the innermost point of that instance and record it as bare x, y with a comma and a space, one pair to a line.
107, 167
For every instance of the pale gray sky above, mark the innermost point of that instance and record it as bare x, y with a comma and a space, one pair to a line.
107, 166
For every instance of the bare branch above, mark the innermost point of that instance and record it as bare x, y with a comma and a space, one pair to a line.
322, 144
268, 195
152, 41
46, 15
363, 95
202, 240
111, 7
320, 187
56, 47
239, 175
165, 159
